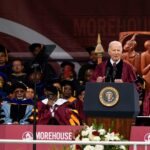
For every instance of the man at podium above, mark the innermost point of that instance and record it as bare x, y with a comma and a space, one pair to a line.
114, 69
111, 102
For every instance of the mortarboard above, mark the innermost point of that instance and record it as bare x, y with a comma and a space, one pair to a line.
18, 84
68, 82
67, 63
139, 79
51, 88
80, 88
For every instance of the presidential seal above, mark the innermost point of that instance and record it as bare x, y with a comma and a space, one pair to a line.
109, 96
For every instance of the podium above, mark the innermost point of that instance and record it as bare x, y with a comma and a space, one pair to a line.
112, 102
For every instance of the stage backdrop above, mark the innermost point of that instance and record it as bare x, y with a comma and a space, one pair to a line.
71, 25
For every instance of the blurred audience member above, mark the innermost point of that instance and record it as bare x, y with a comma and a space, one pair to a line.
18, 73
41, 55
5, 67
30, 93
36, 78
55, 111
18, 109
67, 71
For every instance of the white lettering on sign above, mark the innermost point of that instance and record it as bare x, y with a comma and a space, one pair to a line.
54, 135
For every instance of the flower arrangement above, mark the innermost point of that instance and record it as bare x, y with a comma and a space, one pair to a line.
98, 133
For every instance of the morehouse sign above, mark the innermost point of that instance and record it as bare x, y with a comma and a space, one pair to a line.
48, 135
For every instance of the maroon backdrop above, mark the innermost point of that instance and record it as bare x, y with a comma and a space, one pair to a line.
73, 25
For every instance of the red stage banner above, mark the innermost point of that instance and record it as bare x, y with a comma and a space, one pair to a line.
140, 133
44, 132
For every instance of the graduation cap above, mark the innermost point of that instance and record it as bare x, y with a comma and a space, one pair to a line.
51, 88
55, 80
18, 84
80, 89
68, 82
67, 63
35, 68
71, 84
30, 85
140, 80
33, 46
49, 49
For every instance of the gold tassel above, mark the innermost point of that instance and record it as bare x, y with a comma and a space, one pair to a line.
6, 54
74, 93
58, 95
72, 122
75, 119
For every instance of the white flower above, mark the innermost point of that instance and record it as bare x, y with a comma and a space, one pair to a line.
116, 138
89, 147
87, 131
85, 139
96, 138
77, 138
122, 147
84, 133
99, 147
73, 147
93, 137
109, 136
92, 134
102, 131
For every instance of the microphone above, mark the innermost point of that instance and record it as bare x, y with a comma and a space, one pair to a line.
108, 77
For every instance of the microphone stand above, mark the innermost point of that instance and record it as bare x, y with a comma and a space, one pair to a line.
34, 112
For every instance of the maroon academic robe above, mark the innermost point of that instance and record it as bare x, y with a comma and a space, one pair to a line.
128, 74
78, 105
60, 115
146, 104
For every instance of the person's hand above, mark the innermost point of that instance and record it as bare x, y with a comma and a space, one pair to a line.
118, 81
100, 79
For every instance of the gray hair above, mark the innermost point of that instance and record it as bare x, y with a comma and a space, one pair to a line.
112, 43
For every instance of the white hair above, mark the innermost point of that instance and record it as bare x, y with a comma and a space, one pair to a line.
112, 43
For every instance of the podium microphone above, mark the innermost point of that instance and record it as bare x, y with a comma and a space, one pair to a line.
114, 71
108, 76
